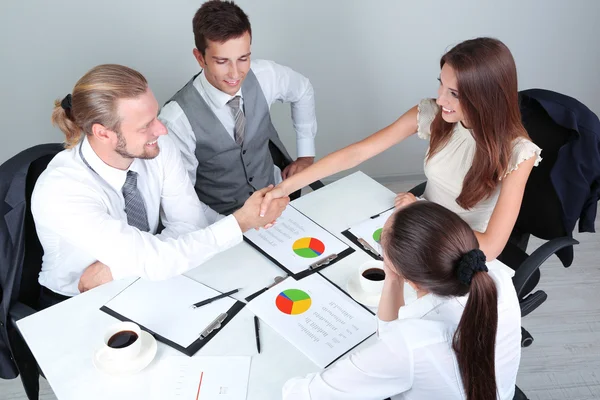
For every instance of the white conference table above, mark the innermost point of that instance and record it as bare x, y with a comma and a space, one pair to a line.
63, 338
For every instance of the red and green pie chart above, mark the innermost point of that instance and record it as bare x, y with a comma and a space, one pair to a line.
377, 235
308, 247
293, 301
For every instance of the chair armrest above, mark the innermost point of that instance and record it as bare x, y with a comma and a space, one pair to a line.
316, 185
536, 259
18, 311
419, 189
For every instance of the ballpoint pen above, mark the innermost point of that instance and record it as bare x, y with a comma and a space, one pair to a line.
208, 301
256, 333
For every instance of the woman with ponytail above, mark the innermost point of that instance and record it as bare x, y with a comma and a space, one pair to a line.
459, 340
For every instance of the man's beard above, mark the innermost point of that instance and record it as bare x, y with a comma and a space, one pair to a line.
122, 149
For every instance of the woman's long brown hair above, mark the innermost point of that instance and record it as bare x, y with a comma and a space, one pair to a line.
488, 95
424, 243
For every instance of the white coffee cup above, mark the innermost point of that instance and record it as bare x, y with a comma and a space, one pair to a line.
372, 283
122, 335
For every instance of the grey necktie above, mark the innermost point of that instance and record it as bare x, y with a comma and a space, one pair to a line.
240, 119
134, 204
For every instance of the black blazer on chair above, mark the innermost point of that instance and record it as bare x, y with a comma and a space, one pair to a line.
576, 172
14, 203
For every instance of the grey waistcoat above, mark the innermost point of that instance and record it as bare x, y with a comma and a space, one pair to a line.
227, 173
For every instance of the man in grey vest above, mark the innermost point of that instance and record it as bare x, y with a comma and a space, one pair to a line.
220, 119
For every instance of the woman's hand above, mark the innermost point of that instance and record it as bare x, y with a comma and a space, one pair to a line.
404, 199
392, 295
390, 273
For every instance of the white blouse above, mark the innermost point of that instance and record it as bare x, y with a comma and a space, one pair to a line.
447, 169
413, 357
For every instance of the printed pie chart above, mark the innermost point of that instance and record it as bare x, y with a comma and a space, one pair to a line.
293, 301
308, 247
377, 235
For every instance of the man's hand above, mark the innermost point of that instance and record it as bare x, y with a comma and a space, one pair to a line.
249, 217
95, 275
404, 199
270, 196
297, 166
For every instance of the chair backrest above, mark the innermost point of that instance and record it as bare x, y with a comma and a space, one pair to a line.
21, 252
541, 212
32, 262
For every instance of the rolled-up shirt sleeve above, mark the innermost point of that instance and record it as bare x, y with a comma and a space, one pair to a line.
281, 83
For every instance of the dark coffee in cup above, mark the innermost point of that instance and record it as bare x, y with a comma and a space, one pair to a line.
374, 274
122, 339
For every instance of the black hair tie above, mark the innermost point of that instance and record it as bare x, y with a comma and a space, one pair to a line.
470, 263
66, 102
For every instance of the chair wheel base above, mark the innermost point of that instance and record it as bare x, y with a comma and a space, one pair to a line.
526, 338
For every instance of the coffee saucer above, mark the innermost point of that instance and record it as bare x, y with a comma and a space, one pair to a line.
141, 361
355, 290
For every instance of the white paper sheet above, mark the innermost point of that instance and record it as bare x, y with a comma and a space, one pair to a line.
296, 241
164, 307
202, 378
315, 316
370, 229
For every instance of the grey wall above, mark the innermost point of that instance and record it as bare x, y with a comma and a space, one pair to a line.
369, 61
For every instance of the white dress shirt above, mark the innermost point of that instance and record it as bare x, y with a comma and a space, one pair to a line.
413, 356
80, 218
278, 83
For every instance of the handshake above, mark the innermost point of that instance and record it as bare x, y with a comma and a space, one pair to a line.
262, 208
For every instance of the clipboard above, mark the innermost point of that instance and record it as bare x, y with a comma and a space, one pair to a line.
204, 335
316, 266
363, 244
363, 306
335, 286
279, 279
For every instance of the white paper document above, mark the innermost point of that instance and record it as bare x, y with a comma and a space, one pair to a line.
370, 230
164, 307
202, 378
315, 316
295, 241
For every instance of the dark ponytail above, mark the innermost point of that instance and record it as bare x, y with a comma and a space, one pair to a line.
475, 339
438, 251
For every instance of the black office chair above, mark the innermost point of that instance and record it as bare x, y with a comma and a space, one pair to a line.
25, 288
541, 213
281, 161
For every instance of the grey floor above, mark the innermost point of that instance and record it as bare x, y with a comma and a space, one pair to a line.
564, 360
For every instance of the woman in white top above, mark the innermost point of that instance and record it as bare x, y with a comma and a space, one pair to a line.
459, 340
479, 156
